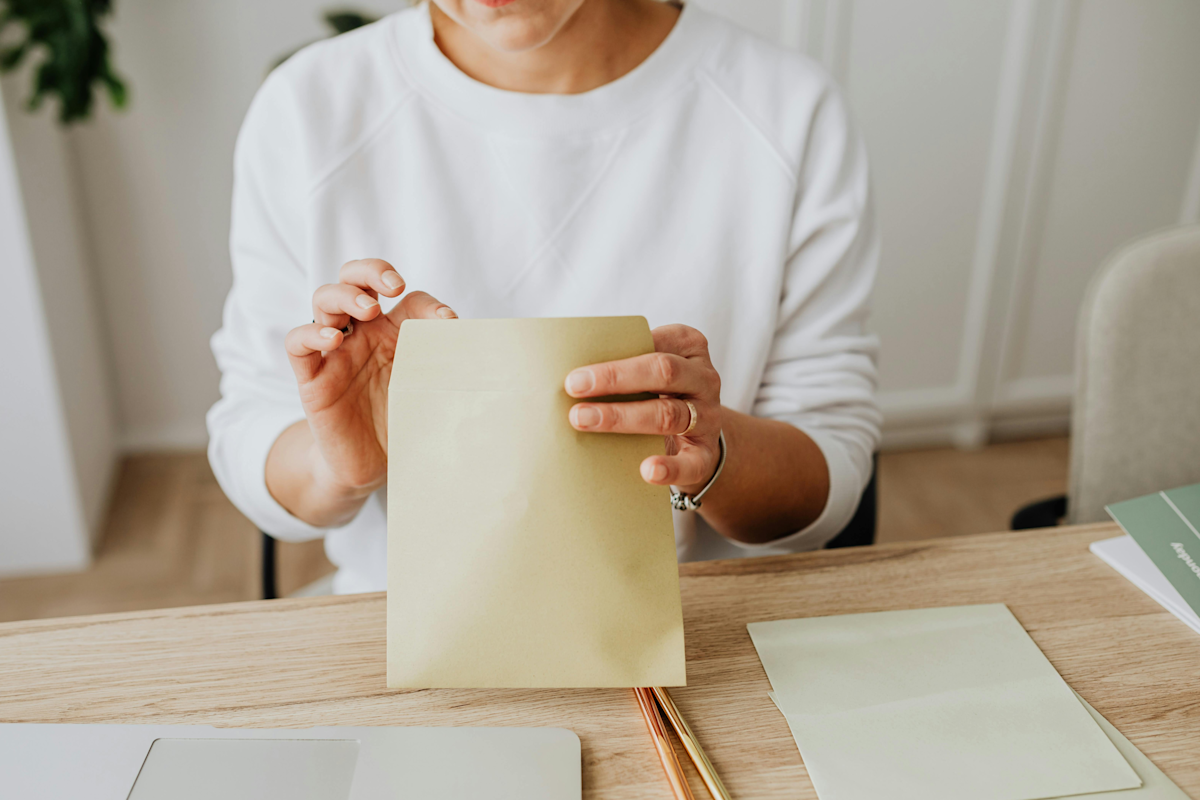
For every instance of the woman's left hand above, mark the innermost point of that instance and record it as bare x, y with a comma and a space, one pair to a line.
682, 374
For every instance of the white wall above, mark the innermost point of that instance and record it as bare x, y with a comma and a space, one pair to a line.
157, 181
1128, 121
1014, 144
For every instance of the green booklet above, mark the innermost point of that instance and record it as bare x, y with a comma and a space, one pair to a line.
1166, 526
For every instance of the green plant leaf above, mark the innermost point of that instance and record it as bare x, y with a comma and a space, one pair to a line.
343, 21
74, 51
11, 56
118, 95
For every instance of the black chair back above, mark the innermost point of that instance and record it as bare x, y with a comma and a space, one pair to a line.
860, 530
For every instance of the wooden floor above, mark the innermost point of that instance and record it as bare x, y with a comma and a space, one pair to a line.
172, 539
926, 494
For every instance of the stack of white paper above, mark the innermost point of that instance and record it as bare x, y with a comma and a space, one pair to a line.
940, 704
1125, 556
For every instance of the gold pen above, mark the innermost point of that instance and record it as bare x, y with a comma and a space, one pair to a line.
662, 743
691, 744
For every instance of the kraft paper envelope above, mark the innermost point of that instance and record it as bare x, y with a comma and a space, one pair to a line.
933, 704
1155, 784
521, 552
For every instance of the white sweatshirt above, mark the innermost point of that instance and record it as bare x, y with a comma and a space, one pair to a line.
719, 185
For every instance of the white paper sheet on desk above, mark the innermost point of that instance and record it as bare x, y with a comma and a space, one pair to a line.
933, 704
521, 552
1155, 784
1125, 556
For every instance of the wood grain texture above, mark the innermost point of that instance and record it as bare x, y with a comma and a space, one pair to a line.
320, 661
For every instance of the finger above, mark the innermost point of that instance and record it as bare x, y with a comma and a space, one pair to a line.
420, 305
335, 303
305, 344
661, 373
691, 467
681, 340
374, 274
667, 417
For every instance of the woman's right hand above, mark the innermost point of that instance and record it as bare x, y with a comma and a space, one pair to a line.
343, 380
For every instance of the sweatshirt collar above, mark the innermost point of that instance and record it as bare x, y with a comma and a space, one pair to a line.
609, 106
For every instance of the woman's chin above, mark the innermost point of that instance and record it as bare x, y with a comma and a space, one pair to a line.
511, 26
515, 35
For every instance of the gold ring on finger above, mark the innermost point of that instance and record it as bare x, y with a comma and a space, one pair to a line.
694, 418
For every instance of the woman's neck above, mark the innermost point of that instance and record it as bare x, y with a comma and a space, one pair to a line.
602, 41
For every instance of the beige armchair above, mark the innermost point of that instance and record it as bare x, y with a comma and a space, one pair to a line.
1136, 416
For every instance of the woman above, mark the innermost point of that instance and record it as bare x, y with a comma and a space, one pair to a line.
553, 158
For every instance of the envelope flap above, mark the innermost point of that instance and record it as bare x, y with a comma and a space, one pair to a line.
510, 355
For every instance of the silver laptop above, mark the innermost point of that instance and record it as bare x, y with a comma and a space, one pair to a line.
164, 762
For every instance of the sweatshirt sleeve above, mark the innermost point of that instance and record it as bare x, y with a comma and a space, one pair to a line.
820, 374
271, 294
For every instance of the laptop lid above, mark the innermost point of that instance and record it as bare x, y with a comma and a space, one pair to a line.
104, 762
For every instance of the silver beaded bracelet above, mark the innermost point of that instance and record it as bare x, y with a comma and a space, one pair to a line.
687, 502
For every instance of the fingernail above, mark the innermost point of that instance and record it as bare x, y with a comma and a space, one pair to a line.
329, 333
366, 301
446, 312
580, 381
585, 416
656, 472
392, 279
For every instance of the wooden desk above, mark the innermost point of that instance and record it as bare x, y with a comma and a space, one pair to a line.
320, 661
